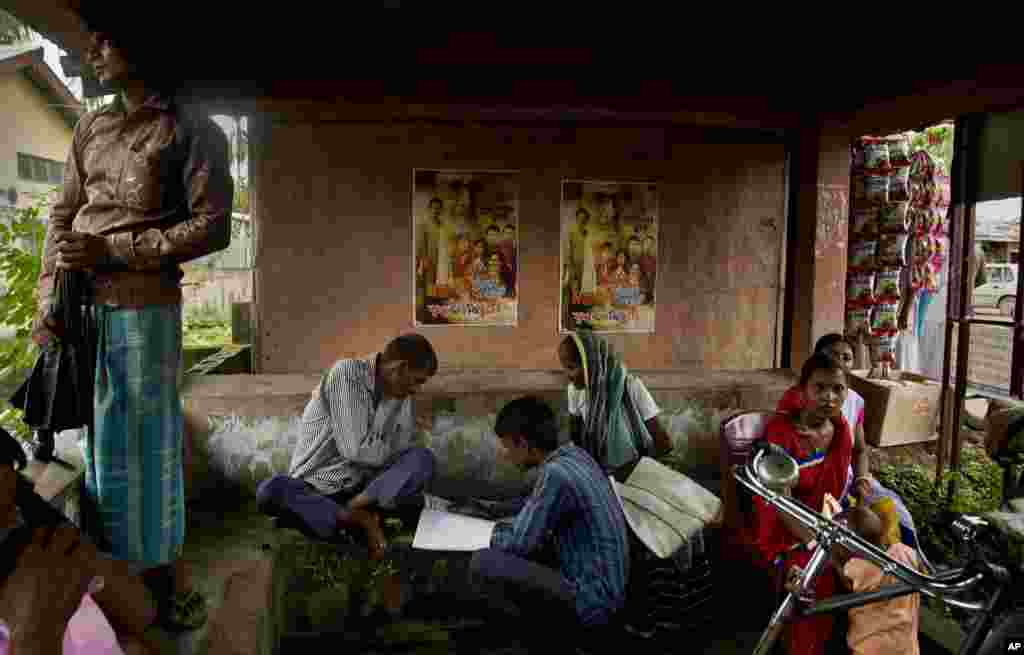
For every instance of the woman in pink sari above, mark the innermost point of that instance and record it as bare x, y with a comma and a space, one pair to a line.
819, 438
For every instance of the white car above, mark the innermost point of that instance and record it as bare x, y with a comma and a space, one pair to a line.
1000, 291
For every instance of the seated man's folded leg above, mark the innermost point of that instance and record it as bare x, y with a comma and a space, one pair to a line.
285, 497
400, 484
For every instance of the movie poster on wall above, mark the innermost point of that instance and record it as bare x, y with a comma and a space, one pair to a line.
609, 256
466, 247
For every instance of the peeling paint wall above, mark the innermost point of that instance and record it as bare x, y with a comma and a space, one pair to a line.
334, 251
243, 451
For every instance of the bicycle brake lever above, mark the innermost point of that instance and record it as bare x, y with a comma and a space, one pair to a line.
763, 445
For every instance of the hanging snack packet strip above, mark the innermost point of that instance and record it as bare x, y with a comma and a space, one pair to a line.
858, 321
876, 188
899, 185
899, 151
876, 154
884, 318
894, 218
865, 221
860, 290
887, 285
942, 191
922, 166
937, 221
885, 350
862, 256
921, 220
892, 250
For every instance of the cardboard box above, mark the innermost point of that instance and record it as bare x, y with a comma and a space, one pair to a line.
902, 410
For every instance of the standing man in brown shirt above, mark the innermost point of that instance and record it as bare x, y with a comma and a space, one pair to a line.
147, 186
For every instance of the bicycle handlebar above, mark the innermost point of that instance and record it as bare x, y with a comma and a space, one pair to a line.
829, 533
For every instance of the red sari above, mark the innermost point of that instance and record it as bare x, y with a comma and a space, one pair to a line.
819, 475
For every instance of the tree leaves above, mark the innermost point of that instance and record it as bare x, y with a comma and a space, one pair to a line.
21, 248
12, 30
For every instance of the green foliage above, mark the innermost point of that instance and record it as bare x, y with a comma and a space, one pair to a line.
12, 30
979, 488
205, 327
21, 248
321, 567
938, 141
21, 256
21, 245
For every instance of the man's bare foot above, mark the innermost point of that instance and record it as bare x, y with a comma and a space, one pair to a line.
370, 523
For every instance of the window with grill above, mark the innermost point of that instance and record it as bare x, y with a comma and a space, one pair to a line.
39, 169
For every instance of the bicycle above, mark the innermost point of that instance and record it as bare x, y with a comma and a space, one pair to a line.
770, 467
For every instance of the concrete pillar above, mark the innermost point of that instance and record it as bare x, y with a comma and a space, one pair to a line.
817, 252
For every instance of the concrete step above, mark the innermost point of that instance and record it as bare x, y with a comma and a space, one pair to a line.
228, 545
229, 550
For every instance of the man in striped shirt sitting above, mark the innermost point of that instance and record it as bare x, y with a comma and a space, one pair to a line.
355, 457
565, 556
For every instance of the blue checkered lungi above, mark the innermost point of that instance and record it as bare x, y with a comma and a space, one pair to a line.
133, 454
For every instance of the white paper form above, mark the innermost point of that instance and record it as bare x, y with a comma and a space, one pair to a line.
441, 530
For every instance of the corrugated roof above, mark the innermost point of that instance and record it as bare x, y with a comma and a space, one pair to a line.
29, 59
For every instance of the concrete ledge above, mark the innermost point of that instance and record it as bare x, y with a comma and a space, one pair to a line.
52, 480
56, 484
287, 395
244, 428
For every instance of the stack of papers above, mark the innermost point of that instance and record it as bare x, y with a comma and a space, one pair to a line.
440, 529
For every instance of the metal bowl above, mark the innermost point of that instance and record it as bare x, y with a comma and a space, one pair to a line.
778, 471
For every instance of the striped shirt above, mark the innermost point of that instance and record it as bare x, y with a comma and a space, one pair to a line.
348, 436
574, 504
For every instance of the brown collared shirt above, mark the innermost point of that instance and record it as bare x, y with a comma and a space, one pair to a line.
156, 184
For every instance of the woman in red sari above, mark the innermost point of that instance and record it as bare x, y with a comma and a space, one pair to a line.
819, 438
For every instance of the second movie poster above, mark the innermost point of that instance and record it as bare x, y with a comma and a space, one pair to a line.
609, 256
